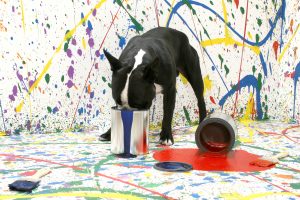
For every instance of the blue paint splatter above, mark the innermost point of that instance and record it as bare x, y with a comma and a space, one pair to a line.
247, 81
296, 77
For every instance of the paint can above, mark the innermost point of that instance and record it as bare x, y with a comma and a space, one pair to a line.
129, 132
216, 133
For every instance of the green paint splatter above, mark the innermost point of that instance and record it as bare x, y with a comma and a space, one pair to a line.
212, 3
230, 1
266, 98
206, 33
221, 59
253, 69
187, 2
109, 85
23, 62
210, 18
47, 78
187, 115
48, 26
101, 162
138, 26
242, 9
256, 6
144, 13
226, 70
256, 38
259, 81
259, 22
68, 94
103, 79
232, 15
19, 88
62, 78
76, 183
128, 7
66, 46
161, 12
49, 109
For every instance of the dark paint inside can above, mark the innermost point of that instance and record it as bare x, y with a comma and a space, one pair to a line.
216, 134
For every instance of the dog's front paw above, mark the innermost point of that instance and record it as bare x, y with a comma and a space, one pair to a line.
166, 138
105, 136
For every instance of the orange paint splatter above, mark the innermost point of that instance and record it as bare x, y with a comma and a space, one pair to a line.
275, 47
236, 3
285, 176
291, 25
89, 89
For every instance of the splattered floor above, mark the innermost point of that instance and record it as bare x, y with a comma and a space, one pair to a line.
83, 168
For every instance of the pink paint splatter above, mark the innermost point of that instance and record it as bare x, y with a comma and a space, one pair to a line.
29, 173
74, 41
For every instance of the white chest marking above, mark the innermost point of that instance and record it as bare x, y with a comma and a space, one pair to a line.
124, 94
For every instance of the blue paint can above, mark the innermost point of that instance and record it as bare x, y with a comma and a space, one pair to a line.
129, 132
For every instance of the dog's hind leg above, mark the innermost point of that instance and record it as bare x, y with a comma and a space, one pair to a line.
192, 72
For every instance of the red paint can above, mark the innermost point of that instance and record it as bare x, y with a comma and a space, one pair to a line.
216, 134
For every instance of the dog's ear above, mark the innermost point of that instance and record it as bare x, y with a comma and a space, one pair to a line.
115, 64
150, 71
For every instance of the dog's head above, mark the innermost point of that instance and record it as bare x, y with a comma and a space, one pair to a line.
133, 86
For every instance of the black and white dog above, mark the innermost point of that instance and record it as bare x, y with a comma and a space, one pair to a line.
148, 65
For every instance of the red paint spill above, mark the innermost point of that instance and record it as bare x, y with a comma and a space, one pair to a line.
212, 100
275, 47
29, 173
236, 161
236, 3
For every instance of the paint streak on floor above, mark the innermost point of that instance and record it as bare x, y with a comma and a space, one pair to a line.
83, 167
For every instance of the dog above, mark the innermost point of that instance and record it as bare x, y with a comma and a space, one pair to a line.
149, 65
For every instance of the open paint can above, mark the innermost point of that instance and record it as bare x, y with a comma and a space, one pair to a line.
216, 133
129, 132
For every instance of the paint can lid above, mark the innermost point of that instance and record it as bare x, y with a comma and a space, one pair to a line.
173, 166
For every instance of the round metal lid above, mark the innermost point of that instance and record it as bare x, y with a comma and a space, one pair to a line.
173, 166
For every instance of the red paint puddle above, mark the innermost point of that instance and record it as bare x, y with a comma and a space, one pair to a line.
235, 161
275, 47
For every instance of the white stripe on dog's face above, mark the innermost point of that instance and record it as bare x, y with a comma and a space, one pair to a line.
124, 94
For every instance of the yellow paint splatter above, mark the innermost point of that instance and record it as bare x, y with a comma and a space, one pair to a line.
249, 35
20, 106
207, 84
235, 196
109, 195
172, 4
23, 15
250, 109
183, 79
83, 43
227, 40
48, 65
2, 133
288, 44
246, 120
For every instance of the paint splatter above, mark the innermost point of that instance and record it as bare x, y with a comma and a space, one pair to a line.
236, 3
275, 48
187, 116
212, 99
47, 78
